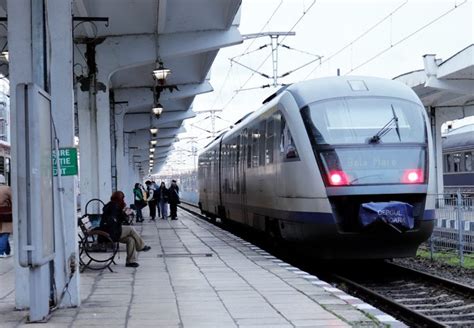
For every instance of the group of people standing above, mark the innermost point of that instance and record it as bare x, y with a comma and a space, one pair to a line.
157, 198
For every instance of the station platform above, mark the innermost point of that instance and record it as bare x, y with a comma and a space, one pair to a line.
198, 275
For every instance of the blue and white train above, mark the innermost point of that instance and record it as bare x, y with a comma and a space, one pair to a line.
300, 167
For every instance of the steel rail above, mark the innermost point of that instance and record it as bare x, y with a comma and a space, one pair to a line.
390, 305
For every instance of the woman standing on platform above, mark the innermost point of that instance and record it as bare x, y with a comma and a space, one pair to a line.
163, 200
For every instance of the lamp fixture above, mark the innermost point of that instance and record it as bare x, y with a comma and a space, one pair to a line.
157, 110
151, 156
153, 130
4, 54
152, 150
160, 72
153, 142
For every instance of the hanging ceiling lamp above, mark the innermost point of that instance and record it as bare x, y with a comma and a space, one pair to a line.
161, 73
157, 110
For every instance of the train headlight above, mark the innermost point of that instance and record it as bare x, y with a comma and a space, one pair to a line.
413, 176
338, 178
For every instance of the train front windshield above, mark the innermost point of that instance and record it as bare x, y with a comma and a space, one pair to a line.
361, 141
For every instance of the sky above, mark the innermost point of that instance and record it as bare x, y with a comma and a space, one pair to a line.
383, 38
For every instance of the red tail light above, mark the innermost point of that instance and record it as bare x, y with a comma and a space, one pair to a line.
338, 178
413, 176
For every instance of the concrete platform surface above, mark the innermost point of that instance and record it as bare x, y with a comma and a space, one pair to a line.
197, 275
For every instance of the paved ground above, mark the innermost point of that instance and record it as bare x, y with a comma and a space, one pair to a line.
197, 275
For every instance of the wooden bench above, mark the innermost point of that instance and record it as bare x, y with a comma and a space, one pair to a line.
97, 250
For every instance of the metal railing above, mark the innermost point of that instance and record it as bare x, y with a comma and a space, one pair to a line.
454, 230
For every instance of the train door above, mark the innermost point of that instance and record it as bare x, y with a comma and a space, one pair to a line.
244, 159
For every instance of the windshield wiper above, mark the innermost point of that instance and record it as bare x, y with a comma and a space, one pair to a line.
386, 129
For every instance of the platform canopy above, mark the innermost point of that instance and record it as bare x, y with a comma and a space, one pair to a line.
131, 38
444, 83
446, 88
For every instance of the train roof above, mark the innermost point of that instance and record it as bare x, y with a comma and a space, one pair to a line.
310, 91
459, 139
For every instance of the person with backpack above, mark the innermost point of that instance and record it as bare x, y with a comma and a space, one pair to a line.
113, 217
151, 199
139, 201
173, 195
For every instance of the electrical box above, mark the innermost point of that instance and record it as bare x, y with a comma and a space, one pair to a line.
35, 178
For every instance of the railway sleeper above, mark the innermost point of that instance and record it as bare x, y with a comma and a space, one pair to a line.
411, 295
447, 317
399, 284
468, 323
430, 307
461, 310
433, 300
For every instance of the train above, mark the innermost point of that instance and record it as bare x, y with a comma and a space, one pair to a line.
458, 161
303, 167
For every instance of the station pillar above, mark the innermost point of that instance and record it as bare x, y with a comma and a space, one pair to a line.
62, 107
31, 53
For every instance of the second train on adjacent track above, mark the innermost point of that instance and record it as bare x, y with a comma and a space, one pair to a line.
300, 167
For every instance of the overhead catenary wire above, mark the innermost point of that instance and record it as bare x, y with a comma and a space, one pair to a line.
246, 49
392, 45
266, 58
456, 6
360, 36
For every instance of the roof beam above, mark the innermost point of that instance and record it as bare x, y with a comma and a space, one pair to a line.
142, 120
143, 97
114, 53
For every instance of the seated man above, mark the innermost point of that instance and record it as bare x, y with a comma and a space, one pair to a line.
112, 219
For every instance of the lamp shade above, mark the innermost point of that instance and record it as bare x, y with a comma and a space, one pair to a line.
161, 73
157, 110
153, 130
153, 142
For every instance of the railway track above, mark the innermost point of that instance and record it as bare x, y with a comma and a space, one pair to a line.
418, 298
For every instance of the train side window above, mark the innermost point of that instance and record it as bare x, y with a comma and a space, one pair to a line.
269, 143
449, 163
457, 162
247, 141
287, 144
468, 161
261, 136
254, 138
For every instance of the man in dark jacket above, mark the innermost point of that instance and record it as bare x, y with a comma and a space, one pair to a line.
162, 200
173, 199
111, 222
150, 189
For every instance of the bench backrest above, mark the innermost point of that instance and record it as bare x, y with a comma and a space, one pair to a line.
85, 224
